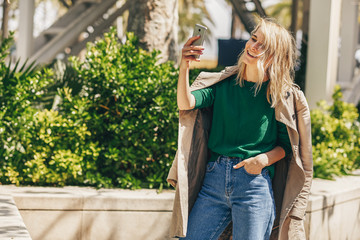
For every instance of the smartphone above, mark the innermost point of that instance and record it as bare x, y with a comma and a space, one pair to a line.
199, 30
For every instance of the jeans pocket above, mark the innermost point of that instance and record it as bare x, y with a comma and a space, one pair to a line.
210, 166
250, 174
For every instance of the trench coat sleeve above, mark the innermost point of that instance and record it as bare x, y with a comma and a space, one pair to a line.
305, 152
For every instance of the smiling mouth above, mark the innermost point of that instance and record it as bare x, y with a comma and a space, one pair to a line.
253, 56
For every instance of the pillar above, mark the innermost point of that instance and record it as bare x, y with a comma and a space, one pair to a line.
322, 58
25, 39
348, 34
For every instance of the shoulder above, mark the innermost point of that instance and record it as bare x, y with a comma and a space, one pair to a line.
293, 98
299, 99
296, 92
226, 72
207, 79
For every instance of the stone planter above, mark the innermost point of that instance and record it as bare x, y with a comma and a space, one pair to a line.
75, 213
87, 214
333, 211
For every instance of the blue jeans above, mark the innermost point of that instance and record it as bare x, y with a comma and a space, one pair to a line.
232, 194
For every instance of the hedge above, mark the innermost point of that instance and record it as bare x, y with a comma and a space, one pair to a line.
116, 124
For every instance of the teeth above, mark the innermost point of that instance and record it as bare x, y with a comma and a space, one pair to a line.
251, 55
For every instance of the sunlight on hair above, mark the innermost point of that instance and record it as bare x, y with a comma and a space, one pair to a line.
278, 61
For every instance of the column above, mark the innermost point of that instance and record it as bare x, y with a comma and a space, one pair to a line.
348, 35
25, 39
322, 59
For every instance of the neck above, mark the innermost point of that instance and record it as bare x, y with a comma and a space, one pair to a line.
252, 74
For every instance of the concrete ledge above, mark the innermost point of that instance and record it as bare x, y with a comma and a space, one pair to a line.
11, 223
85, 199
78, 213
86, 213
333, 211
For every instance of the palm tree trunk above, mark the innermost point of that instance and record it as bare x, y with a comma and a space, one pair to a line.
294, 16
5, 20
245, 16
301, 72
259, 8
155, 23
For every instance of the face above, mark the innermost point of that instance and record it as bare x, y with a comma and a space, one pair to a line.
254, 48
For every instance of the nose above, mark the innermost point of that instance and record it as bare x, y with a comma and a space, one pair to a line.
255, 46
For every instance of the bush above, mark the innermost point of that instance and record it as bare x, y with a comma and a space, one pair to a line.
118, 130
128, 103
19, 87
116, 125
38, 147
336, 138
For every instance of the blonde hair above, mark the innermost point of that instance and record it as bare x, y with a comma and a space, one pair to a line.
278, 61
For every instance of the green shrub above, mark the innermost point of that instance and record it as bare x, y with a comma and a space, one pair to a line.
19, 87
336, 138
62, 151
118, 130
116, 125
128, 104
39, 147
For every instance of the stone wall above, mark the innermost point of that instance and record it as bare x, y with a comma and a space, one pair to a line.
75, 213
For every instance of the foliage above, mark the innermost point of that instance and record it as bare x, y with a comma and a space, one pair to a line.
38, 147
282, 11
61, 151
128, 103
116, 124
192, 12
336, 137
117, 130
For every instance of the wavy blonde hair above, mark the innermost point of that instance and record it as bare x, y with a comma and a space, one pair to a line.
278, 62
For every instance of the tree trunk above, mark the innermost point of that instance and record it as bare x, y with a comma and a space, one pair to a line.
246, 17
300, 74
236, 28
259, 9
5, 20
294, 16
155, 23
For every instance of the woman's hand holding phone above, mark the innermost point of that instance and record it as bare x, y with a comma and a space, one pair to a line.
193, 47
190, 51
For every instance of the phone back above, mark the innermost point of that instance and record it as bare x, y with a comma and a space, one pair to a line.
199, 30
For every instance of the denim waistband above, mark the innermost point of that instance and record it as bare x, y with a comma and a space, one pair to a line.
215, 156
228, 159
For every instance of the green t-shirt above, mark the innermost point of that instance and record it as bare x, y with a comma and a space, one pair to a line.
243, 123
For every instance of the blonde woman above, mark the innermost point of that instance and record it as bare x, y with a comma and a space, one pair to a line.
244, 150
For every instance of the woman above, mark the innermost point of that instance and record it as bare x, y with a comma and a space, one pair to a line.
244, 149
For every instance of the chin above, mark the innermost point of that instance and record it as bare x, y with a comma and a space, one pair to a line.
249, 61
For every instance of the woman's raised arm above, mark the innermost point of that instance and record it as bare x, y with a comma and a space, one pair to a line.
185, 99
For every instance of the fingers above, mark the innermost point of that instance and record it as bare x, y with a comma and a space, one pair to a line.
191, 58
191, 40
239, 165
189, 52
193, 48
249, 166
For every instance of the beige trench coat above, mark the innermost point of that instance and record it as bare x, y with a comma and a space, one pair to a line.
293, 174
